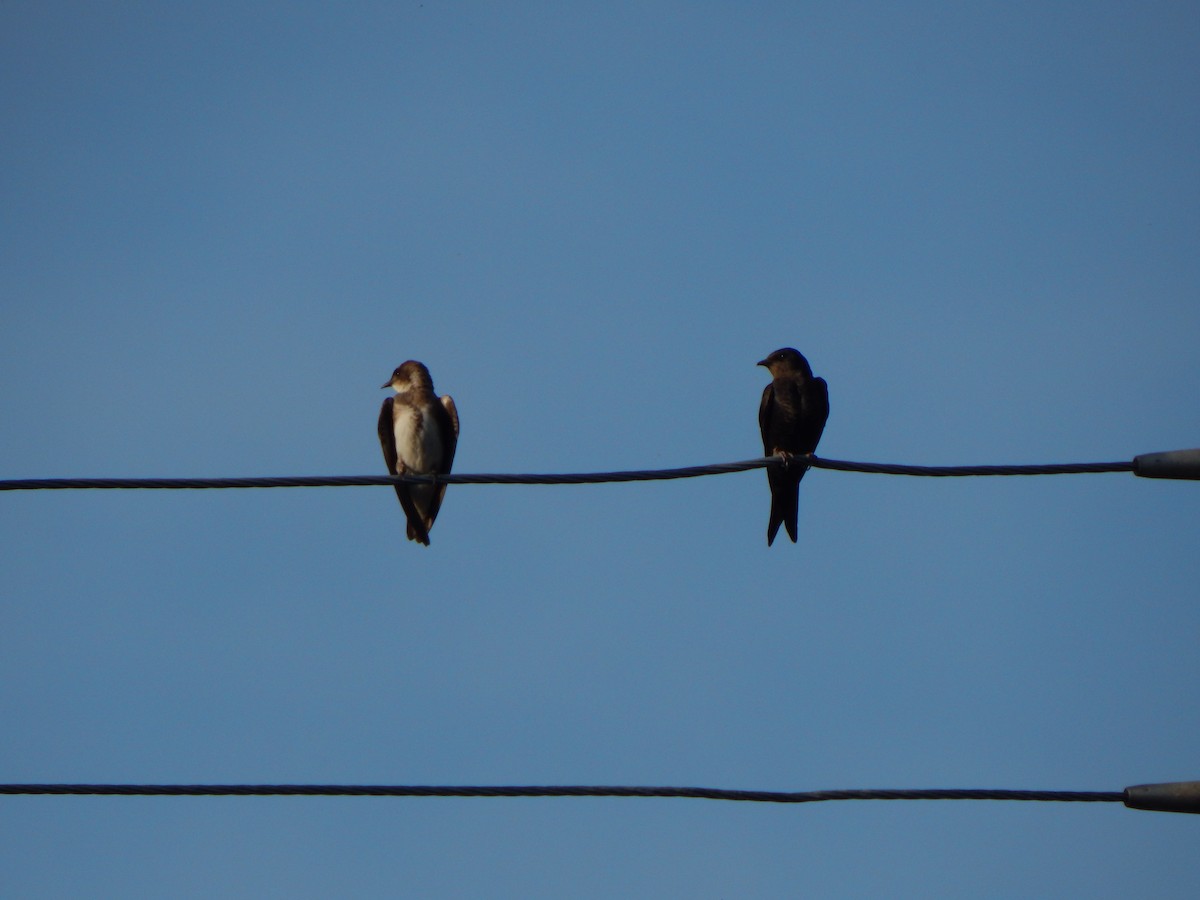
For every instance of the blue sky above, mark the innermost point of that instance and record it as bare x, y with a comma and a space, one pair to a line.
224, 224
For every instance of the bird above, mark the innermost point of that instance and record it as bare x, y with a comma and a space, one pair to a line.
418, 432
791, 417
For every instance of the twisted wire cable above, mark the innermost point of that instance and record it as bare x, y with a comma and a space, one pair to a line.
381, 790
44, 484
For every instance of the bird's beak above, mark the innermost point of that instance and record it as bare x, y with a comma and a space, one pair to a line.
761, 362
386, 384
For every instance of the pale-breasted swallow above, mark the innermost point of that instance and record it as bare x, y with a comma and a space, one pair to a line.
791, 417
418, 432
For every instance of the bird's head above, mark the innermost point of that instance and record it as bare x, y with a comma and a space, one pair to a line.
787, 361
408, 375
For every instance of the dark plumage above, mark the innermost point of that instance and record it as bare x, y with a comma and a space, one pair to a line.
418, 432
791, 417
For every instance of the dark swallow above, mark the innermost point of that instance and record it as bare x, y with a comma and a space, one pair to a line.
791, 417
418, 432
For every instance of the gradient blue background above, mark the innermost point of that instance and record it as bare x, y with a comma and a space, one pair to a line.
225, 223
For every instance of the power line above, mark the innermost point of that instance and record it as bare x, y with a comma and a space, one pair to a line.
1180, 796
1176, 796
1180, 464
961, 471
34, 484
367, 790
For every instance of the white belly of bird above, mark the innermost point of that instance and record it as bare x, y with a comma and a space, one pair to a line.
418, 444
419, 451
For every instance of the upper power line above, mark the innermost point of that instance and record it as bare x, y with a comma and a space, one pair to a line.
1178, 464
1179, 796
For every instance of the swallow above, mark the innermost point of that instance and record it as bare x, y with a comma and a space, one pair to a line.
791, 418
418, 432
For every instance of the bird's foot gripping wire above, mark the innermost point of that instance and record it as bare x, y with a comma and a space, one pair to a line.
791, 460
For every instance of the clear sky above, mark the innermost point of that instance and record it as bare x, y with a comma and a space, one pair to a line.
223, 224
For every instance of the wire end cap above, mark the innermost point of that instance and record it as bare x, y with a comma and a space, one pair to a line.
1174, 796
1171, 464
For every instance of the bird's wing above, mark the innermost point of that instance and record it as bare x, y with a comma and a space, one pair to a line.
766, 413
447, 420
449, 436
816, 410
387, 435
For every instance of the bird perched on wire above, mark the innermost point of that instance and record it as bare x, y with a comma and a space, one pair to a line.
418, 432
791, 417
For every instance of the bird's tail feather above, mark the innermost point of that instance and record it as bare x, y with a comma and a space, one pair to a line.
417, 531
785, 507
421, 537
784, 512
